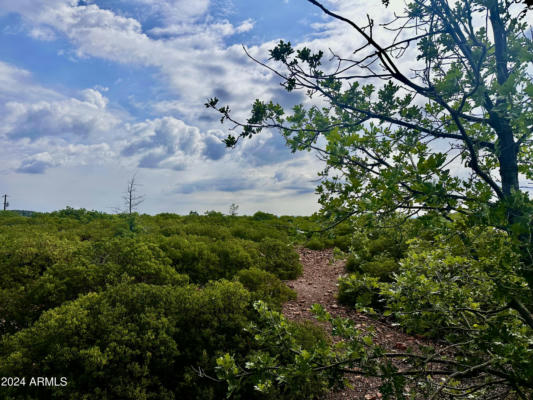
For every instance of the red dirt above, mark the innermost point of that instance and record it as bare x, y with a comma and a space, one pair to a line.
318, 284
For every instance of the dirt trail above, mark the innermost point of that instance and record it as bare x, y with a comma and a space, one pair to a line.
318, 284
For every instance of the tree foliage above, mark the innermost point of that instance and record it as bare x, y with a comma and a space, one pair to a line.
436, 122
394, 138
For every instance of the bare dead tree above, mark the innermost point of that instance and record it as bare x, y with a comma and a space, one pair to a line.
131, 197
233, 209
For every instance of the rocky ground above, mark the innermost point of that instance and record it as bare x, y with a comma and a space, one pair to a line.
318, 284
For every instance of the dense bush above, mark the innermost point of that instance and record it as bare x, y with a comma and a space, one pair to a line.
265, 286
24, 256
361, 291
205, 260
280, 259
281, 366
353, 263
316, 244
104, 300
130, 342
140, 341
263, 216
381, 267
376, 255
463, 287
91, 269
324, 242
448, 282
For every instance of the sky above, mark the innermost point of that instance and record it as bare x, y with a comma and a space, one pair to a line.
95, 92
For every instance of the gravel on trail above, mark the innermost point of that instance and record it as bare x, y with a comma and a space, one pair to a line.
318, 284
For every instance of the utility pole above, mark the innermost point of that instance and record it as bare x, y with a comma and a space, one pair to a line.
6, 204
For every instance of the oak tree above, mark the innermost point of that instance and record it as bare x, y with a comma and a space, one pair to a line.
434, 116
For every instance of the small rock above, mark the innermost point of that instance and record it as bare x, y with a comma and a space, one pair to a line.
400, 346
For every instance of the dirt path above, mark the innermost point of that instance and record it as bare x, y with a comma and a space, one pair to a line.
318, 284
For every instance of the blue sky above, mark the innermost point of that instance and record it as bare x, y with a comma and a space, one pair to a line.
93, 92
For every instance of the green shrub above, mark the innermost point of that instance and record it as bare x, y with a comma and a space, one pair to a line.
204, 259
208, 227
361, 291
265, 286
353, 263
254, 232
442, 276
315, 244
263, 216
280, 259
380, 267
308, 334
281, 366
343, 242
25, 256
127, 252
91, 270
130, 342
79, 214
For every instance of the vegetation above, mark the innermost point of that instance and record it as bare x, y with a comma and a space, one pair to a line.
453, 259
134, 306
165, 307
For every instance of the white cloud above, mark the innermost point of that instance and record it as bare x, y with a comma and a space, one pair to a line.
93, 96
16, 83
31, 8
192, 57
171, 143
72, 117
172, 10
245, 26
43, 33
37, 164
66, 155
180, 145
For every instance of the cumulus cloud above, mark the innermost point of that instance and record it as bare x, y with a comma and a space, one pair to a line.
71, 117
217, 29
265, 149
36, 164
30, 8
289, 178
296, 177
228, 184
16, 83
62, 154
170, 143
214, 148
186, 46
172, 10
191, 55
43, 33
245, 26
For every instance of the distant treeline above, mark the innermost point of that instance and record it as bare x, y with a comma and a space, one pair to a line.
23, 213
